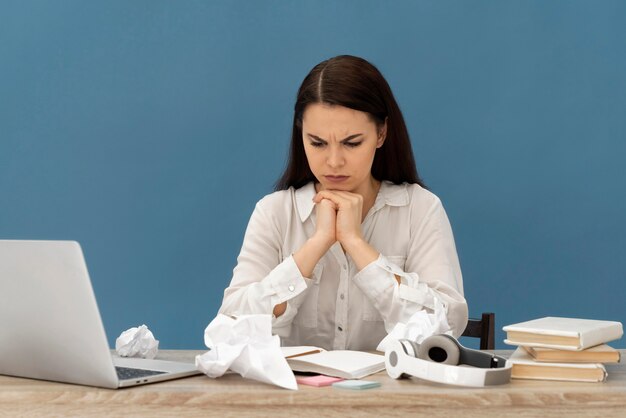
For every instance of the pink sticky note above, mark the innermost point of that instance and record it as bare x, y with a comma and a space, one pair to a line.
317, 381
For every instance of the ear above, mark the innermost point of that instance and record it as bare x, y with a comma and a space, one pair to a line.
382, 135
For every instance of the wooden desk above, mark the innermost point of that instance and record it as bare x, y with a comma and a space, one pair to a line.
233, 396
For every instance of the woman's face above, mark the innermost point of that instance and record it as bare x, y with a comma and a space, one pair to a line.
340, 144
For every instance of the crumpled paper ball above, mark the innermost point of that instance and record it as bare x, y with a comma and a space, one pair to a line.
420, 326
246, 346
137, 342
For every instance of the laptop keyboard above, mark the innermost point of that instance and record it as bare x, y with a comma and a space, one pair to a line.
124, 373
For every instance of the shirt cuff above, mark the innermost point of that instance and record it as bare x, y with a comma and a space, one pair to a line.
376, 277
379, 276
286, 281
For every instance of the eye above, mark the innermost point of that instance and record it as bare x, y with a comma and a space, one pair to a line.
317, 144
353, 144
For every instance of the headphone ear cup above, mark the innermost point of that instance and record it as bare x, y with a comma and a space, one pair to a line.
440, 349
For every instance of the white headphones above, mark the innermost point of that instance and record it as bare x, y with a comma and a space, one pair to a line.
442, 359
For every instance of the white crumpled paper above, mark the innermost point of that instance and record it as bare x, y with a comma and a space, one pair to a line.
420, 326
137, 342
246, 346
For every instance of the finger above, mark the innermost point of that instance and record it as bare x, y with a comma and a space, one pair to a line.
332, 196
352, 197
341, 199
328, 203
321, 195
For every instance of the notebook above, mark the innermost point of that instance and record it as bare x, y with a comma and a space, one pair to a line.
347, 364
50, 326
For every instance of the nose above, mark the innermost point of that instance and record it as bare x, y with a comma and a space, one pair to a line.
335, 158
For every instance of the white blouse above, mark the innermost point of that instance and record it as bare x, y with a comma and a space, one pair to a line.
340, 307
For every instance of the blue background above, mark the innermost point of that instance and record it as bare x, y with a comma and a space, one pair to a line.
147, 130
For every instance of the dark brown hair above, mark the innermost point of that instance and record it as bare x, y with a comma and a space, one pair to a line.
352, 82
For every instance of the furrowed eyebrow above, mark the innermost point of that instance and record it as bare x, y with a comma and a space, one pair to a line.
346, 139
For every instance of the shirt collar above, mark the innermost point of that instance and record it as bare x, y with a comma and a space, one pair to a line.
389, 194
304, 200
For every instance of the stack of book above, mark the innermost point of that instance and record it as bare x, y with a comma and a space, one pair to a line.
571, 349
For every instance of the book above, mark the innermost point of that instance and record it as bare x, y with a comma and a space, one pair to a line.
563, 333
524, 367
599, 354
347, 364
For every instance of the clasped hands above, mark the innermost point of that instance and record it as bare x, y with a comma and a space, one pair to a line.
339, 216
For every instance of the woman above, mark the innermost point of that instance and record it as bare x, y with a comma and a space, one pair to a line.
352, 243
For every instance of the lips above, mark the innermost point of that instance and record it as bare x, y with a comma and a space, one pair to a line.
336, 179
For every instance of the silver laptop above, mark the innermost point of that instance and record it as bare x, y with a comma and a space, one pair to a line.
50, 326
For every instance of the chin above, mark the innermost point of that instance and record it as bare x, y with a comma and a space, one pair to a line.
339, 187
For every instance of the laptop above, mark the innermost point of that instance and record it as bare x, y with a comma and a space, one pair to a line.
50, 326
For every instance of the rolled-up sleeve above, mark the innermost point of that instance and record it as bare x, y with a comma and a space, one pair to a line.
430, 278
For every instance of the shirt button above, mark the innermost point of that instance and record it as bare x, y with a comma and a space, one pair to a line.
341, 296
339, 328
291, 288
345, 267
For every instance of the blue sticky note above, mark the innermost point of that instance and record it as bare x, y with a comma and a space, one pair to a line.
356, 384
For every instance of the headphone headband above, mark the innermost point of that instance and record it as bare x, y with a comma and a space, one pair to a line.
439, 357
